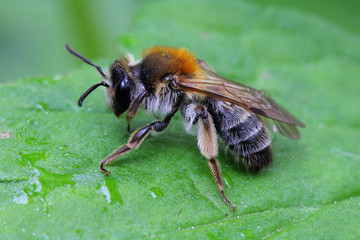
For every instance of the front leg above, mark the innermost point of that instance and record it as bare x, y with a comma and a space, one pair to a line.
134, 106
136, 139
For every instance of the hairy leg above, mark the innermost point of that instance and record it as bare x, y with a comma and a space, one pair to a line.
136, 139
207, 144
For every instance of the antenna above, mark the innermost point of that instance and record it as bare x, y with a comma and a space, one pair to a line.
85, 60
93, 87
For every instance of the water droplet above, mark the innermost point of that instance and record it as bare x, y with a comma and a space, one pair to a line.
247, 234
42, 106
227, 181
153, 194
156, 192
21, 198
112, 185
42, 182
29, 120
105, 191
32, 157
31, 140
111, 191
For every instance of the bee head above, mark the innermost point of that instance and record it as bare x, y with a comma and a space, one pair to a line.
122, 84
119, 87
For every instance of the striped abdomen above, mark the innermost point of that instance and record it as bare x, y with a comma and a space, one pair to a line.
243, 133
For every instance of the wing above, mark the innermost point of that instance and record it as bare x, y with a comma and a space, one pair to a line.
216, 86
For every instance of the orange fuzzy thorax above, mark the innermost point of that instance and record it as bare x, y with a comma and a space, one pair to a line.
181, 59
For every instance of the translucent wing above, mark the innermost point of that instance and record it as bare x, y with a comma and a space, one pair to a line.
214, 85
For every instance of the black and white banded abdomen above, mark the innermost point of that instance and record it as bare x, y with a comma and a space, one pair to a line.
243, 133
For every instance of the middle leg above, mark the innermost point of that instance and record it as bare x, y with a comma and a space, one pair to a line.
136, 139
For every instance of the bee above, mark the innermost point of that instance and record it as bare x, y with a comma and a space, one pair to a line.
169, 80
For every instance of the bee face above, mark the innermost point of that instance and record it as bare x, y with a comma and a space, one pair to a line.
122, 84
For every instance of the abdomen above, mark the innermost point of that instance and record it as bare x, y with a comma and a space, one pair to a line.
243, 133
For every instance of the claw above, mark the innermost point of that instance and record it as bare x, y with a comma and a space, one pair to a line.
103, 169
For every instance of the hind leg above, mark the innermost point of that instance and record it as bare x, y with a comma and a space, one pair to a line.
207, 144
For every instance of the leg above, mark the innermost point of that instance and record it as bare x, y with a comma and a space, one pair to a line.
208, 147
216, 172
136, 139
134, 106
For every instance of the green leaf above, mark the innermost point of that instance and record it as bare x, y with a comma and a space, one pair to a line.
51, 186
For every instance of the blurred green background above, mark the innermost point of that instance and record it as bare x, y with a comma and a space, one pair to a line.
32, 33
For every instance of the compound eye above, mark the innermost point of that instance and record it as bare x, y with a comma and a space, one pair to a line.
124, 83
121, 79
122, 86
119, 74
